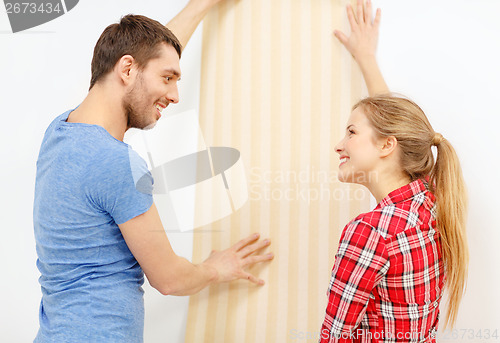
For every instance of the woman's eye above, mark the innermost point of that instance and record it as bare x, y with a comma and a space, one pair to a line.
351, 132
168, 78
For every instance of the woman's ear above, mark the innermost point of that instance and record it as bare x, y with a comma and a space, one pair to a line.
388, 146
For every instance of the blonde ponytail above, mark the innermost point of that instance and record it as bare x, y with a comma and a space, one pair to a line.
400, 117
447, 184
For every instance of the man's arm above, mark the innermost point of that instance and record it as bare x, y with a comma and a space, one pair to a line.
146, 238
362, 44
173, 275
184, 23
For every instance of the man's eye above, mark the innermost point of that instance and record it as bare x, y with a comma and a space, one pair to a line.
168, 78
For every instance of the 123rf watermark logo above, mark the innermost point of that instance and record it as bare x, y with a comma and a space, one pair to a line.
25, 14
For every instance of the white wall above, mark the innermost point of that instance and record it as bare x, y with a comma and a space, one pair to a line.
444, 54
45, 71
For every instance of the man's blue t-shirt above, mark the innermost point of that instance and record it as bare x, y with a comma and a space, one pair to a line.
87, 182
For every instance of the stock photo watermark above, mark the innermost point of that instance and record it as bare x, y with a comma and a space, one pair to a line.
468, 335
24, 14
309, 184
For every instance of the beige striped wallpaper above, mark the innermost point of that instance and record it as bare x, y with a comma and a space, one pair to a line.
277, 86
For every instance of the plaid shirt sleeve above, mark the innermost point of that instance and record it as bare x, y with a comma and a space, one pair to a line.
360, 263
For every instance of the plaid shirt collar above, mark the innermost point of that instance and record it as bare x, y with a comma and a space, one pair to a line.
407, 192
370, 275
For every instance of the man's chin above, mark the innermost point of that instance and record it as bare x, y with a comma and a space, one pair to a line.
150, 126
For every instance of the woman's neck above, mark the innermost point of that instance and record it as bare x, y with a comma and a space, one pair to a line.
386, 185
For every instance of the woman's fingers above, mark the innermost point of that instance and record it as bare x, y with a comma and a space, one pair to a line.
376, 21
368, 12
352, 18
360, 15
341, 37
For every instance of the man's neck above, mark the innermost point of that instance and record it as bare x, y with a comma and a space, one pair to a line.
102, 107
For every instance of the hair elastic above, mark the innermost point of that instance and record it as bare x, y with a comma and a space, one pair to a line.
438, 138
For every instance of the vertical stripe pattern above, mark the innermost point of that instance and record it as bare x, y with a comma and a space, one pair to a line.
277, 86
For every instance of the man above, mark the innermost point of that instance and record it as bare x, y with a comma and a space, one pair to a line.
97, 229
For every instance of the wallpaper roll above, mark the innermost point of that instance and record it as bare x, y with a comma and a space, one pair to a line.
194, 184
277, 86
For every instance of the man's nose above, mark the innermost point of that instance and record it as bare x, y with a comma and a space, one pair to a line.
173, 95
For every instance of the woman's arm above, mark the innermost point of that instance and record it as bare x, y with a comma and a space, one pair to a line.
362, 44
360, 264
186, 21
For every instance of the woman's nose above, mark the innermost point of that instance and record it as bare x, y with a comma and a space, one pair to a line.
339, 147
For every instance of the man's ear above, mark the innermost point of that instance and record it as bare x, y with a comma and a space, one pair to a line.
388, 146
126, 69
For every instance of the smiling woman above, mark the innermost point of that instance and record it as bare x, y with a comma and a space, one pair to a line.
267, 88
444, 54
358, 152
394, 262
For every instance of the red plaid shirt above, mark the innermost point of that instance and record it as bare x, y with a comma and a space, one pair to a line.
388, 276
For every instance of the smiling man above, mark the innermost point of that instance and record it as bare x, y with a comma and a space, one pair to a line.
97, 229
134, 76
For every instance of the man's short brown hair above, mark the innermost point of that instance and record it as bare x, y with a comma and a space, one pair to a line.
134, 35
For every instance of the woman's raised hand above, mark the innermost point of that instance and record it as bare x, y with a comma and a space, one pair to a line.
362, 42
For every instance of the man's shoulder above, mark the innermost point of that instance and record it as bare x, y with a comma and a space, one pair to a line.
112, 158
55, 123
89, 140
89, 151
117, 163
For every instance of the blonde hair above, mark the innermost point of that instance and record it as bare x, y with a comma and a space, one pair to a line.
391, 115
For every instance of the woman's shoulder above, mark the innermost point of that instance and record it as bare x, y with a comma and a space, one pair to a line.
365, 221
393, 219
387, 221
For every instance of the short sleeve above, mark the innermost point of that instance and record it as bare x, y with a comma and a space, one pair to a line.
360, 263
121, 184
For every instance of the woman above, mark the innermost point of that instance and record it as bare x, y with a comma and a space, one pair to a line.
393, 263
